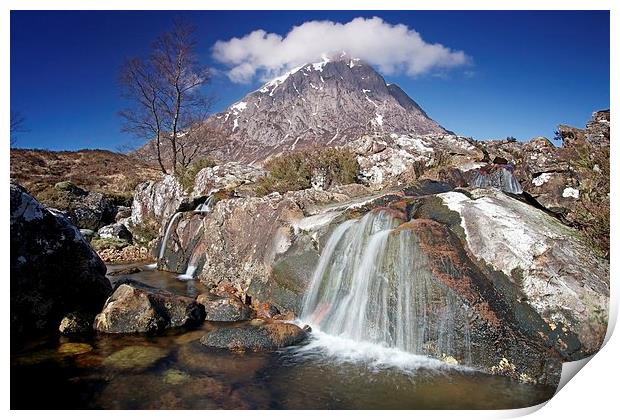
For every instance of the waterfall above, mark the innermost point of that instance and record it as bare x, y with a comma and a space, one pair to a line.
162, 248
205, 207
496, 177
189, 273
372, 284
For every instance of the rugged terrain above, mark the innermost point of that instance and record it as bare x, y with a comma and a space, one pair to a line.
485, 254
328, 103
94, 170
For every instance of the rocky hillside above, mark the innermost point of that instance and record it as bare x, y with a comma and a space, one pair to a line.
329, 103
94, 170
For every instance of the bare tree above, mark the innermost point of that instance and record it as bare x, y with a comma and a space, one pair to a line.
165, 92
17, 125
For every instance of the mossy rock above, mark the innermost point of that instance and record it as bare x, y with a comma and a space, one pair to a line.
74, 348
100, 244
176, 377
135, 357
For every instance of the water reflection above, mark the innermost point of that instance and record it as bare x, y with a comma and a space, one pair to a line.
175, 371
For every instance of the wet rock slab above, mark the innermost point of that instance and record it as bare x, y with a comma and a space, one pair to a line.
135, 307
255, 336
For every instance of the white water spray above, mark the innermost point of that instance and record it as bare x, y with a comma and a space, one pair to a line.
373, 285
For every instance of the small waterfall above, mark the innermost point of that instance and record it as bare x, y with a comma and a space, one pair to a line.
207, 206
162, 248
189, 273
496, 176
202, 208
372, 284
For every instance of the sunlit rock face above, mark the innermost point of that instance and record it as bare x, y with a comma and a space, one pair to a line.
555, 271
54, 271
411, 286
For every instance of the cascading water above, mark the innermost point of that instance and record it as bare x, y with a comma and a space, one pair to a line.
497, 177
203, 208
207, 206
162, 248
372, 284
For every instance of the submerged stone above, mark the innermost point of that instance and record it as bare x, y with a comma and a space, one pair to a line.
176, 377
135, 357
263, 336
197, 358
74, 348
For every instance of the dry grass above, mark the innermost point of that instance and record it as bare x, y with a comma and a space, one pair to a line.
94, 170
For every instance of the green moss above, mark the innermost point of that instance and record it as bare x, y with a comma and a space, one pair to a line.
434, 208
144, 234
100, 244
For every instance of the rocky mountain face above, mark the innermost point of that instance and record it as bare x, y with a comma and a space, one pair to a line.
329, 103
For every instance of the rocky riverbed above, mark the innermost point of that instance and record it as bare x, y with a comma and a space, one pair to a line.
175, 371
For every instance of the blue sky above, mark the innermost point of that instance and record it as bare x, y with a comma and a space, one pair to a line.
529, 71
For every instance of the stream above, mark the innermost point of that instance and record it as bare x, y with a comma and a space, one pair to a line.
174, 371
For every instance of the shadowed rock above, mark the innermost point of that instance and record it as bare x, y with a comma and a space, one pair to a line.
54, 270
135, 307
256, 336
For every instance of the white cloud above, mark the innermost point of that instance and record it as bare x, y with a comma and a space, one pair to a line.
393, 49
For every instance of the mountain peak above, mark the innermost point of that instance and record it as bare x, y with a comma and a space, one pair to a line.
325, 103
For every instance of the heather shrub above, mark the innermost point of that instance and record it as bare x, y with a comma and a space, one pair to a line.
298, 170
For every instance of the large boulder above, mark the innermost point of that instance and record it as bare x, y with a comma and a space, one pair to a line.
224, 309
552, 268
255, 336
228, 176
394, 159
137, 308
92, 211
86, 209
54, 271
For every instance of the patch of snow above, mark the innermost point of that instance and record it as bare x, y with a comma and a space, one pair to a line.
366, 90
319, 66
370, 100
541, 179
570, 192
235, 124
295, 143
379, 119
239, 107
274, 83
